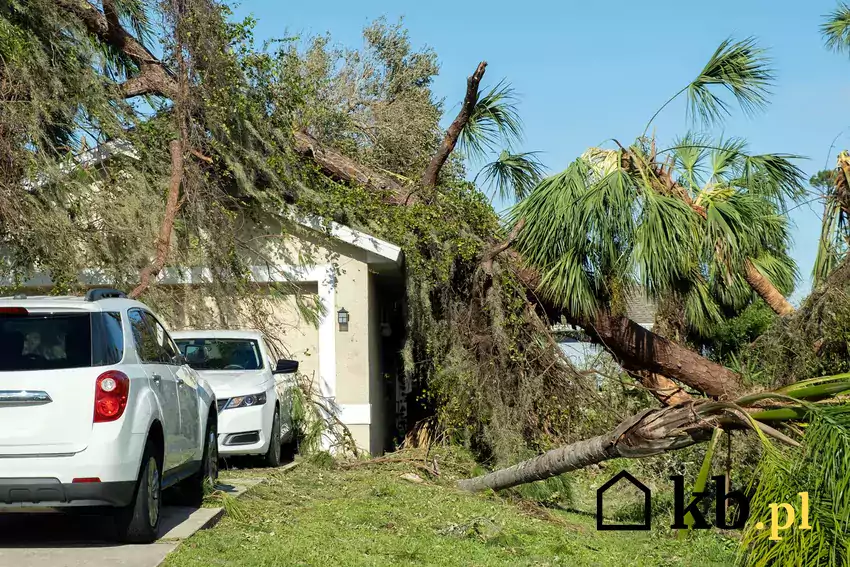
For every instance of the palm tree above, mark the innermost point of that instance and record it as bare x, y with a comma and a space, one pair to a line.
702, 220
656, 431
835, 231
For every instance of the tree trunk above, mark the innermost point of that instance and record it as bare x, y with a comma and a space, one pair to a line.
637, 348
343, 169
767, 291
172, 207
447, 146
549, 464
646, 434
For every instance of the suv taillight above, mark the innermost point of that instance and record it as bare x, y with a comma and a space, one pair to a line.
110, 395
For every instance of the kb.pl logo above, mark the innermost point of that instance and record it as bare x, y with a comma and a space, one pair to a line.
782, 514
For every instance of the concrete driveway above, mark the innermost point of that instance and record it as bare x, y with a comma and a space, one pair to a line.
52, 539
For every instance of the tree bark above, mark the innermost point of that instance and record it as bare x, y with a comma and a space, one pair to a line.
643, 435
666, 391
343, 169
172, 207
447, 146
766, 290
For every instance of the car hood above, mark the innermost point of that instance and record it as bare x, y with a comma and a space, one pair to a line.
229, 383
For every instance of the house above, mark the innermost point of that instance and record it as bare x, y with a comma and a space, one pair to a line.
349, 348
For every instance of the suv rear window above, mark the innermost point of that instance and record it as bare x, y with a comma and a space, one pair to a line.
51, 341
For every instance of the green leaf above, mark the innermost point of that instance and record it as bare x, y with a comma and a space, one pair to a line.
740, 67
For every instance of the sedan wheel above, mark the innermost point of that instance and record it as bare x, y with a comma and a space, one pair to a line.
273, 454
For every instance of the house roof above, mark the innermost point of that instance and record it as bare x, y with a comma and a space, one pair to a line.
641, 309
377, 251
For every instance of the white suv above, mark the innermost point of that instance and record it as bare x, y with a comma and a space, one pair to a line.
98, 408
254, 395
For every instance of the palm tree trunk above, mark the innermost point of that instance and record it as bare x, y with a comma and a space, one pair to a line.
552, 463
646, 434
767, 291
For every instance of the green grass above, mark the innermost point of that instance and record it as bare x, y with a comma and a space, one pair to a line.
313, 515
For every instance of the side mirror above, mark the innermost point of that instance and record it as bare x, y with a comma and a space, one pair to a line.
286, 366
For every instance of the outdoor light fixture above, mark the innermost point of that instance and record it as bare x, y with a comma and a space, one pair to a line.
342, 319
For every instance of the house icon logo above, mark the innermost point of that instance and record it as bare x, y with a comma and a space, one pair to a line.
647, 504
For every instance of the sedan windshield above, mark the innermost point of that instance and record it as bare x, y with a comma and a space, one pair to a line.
221, 354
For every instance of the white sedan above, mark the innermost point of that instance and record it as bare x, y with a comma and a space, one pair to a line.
253, 395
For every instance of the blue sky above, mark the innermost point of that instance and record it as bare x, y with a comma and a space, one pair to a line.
590, 71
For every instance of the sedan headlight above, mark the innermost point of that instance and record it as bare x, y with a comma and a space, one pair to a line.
245, 401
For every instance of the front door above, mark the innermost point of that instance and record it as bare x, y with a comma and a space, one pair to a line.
162, 381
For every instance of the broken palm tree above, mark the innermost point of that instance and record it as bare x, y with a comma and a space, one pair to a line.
656, 431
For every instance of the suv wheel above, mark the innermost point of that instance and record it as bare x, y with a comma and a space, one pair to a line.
139, 521
192, 489
272, 458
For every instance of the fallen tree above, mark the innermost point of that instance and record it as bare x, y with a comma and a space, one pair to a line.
656, 431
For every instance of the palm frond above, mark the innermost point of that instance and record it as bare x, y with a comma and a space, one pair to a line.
578, 234
135, 16
689, 153
494, 121
513, 176
702, 313
666, 243
726, 156
836, 29
775, 176
742, 68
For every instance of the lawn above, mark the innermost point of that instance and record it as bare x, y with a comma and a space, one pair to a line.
370, 515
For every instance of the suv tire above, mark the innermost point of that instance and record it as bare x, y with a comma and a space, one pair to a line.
138, 522
272, 458
192, 489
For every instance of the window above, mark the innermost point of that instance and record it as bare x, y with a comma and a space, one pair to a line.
53, 341
163, 340
221, 354
147, 345
107, 338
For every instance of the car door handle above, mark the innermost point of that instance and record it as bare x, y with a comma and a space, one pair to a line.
156, 378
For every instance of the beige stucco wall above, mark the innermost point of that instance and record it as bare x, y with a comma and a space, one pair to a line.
356, 363
379, 419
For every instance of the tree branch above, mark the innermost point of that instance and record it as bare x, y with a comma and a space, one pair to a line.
153, 77
343, 169
172, 207
447, 146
